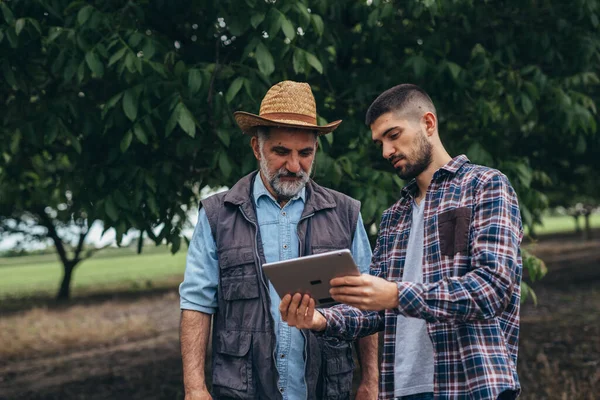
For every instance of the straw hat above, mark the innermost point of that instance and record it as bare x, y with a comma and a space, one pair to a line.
286, 104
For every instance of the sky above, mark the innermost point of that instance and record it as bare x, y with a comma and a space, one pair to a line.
96, 238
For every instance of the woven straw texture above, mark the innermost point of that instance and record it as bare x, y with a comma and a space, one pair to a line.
285, 97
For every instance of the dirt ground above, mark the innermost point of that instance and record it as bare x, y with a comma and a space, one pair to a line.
559, 349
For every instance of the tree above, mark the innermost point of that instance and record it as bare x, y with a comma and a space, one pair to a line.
128, 106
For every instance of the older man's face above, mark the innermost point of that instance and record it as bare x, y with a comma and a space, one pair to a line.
286, 158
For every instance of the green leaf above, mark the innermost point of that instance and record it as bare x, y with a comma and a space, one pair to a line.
179, 69
264, 59
314, 62
14, 144
288, 28
96, 66
275, 18
186, 121
84, 14
256, 19
35, 24
113, 101
234, 88
454, 70
9, 74
130, 104
299, 61
139, 133
194, 80
152, 205
81, 72
126, 141
54, 33
75, 144
526, 103
117, 56
224, 136
111, 209
8, 15
151, 182
317, 22
19, 25
172, 122
225, 164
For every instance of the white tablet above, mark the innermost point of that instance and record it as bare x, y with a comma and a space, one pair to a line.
311, 274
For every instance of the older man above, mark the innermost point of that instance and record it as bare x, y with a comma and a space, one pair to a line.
277, 213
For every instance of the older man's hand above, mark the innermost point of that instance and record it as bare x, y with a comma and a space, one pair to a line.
299, 311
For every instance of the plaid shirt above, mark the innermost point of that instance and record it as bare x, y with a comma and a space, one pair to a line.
471, 282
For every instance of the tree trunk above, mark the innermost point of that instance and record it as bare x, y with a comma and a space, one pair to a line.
577, 225
587, 232
64, 292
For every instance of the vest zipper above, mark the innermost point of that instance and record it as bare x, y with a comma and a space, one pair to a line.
268, 299
303, 334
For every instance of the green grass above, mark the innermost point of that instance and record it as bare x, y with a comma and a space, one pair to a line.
123, 268
564, 223
29, 275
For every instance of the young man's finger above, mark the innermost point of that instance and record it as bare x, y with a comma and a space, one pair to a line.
347, 291
346, 281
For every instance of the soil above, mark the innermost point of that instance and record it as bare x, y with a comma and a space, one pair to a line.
559, 343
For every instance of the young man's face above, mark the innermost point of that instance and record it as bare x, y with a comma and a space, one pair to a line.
403, 143
286, 159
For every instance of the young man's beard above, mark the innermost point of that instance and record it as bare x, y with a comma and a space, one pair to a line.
421, 161
283, 189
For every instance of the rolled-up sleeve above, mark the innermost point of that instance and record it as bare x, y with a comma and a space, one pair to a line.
361, 248
198, 291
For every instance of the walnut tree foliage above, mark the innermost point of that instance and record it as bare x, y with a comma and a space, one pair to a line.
118, 111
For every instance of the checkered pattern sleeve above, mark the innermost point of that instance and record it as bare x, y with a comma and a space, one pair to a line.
486, 290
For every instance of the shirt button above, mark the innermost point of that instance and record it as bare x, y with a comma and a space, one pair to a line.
281, 390
283, 213
283, 356
285, 246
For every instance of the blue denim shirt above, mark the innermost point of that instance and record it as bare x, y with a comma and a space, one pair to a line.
278, 231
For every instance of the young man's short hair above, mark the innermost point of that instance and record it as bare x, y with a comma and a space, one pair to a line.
403, 98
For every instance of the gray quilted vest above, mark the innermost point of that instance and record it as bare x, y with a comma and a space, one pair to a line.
243, 363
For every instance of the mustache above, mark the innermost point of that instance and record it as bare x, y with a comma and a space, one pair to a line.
395, 159
284, 173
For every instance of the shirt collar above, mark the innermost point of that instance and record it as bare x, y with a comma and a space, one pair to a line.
261, 190
451, 167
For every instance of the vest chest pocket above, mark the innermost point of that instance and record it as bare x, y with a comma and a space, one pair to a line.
232, 368
239, 289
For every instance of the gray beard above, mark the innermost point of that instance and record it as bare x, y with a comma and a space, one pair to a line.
284, 190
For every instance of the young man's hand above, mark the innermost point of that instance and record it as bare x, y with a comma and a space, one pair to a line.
299, 311
365, 292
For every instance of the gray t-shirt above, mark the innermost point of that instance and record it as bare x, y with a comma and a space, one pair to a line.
413, 368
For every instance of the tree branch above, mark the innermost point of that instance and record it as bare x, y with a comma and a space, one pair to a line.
60, 248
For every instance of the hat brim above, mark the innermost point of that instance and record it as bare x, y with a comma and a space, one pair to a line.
249, 122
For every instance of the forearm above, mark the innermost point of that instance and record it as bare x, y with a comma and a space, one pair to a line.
475, 296
367, 349
350, 323
194, 334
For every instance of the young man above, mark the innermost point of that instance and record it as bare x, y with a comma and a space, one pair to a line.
446, 270
275, 214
